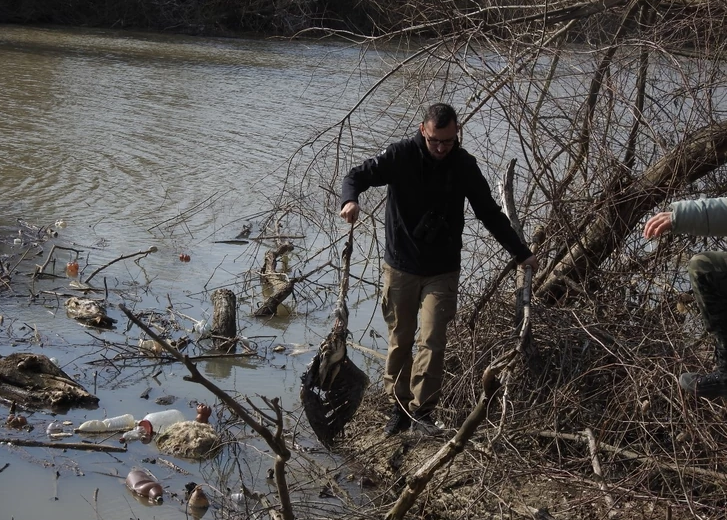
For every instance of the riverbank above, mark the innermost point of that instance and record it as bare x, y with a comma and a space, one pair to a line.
603, 433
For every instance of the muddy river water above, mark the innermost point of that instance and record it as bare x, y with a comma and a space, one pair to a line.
133, 141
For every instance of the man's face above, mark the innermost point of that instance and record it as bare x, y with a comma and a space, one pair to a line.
440, 141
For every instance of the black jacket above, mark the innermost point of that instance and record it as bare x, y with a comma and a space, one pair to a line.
430, 194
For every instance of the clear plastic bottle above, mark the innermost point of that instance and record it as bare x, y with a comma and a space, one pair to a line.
137, 434
120, 423
54, 427
157, 422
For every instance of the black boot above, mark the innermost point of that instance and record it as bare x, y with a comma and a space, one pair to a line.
398, 422
424, 425
711, 385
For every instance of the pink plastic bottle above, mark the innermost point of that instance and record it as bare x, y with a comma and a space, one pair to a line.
143, 483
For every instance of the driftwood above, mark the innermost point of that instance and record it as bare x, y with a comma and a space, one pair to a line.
35, 382
596, 464
276, 284
40, 269
85, 446
224, 320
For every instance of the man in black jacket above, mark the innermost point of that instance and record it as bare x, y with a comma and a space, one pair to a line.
428, 178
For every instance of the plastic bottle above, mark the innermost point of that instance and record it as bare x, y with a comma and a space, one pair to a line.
143, 483
119, 423
72, 269
137, 434
198, 499
156, 422
92, 426
54, 427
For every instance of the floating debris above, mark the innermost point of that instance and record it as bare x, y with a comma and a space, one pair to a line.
89, 312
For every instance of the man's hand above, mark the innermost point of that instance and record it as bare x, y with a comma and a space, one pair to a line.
658, 225
531, 261
350, 212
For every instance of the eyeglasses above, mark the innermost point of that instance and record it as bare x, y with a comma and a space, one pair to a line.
436, 142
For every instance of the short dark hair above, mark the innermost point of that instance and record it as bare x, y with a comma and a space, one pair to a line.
442, 114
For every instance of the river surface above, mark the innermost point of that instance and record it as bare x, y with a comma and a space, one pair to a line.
136, 141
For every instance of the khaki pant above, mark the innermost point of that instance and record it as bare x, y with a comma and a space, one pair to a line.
416, 383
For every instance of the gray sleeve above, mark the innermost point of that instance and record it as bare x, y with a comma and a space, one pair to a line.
703, 217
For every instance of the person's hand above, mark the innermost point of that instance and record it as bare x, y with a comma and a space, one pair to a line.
658, 225
531, 261
350, 212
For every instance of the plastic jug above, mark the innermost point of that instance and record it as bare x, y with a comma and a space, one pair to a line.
143, 483
156, 422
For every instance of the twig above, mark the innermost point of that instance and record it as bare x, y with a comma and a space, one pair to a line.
276, 237
188, 212
690, 470
173, 466
152, 249
593, 449
366, 350
41, 269
86, 446
485, 297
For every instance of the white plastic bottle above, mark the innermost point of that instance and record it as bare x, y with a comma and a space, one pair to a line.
119, 423
92, 426
157, 422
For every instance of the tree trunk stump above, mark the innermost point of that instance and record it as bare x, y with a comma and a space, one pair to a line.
224, 320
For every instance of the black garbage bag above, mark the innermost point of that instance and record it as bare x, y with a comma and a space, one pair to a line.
331, 404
